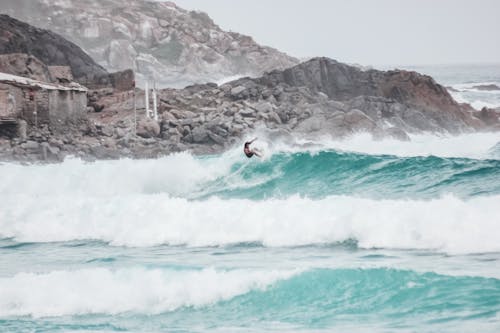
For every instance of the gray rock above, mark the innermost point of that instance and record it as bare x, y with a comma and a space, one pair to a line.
124, 142
397, 133
31, 145
216, 138
237, 90
247, 112
183, 114
120, 132
263, 107
167, 116
357, 120
148, 128
250, 121
49, 152
200, 134
312, 124
273, 116
22, 127
416, 119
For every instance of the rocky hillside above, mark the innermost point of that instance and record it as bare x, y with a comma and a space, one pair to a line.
17, 37
157, 39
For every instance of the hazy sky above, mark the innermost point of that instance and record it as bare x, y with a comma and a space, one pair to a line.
368, 32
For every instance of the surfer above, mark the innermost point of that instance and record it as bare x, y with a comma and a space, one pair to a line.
249, 152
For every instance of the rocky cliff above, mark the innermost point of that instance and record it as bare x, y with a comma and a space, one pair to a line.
157, 39
17, 37
410, 100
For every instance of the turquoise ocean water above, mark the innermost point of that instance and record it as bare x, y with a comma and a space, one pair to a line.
332, 236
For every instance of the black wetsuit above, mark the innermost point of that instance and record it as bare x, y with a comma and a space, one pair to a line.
247, 150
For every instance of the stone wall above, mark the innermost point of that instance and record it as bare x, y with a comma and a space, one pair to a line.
66, 106
7, 105
41, 98
11, 101
121, 81
54, 107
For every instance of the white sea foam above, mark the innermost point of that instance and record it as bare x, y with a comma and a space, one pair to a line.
473, 87
448, 224
104, 291
467, 93
177, 173
180, 174
475, 102
143, 203
474, 145
231, 78
478, 105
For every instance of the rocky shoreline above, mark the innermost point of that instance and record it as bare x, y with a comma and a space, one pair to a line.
315, 99
62, 103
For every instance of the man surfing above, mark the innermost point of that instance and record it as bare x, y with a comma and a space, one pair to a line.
249, 152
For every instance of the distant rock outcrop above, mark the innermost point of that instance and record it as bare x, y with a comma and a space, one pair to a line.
48, 47
428, 105
156, 39
487, 87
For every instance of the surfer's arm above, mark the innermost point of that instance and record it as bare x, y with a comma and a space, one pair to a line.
257, 152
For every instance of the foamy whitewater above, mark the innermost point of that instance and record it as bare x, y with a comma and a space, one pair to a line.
328, 236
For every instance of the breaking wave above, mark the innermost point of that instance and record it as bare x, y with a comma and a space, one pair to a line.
446, 224
104, 291
428, 194
322, 295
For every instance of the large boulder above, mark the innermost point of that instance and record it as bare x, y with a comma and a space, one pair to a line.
148, 128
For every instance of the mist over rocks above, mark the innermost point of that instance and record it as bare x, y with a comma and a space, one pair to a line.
157, 40
49, 48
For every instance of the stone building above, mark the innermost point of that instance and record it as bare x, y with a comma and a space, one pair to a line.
38, 102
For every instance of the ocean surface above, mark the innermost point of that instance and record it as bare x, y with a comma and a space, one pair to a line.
330, 236
462, 82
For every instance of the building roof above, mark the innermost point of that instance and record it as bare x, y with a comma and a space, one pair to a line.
26, 82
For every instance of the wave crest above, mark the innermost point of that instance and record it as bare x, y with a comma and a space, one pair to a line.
103, 291
447, 224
